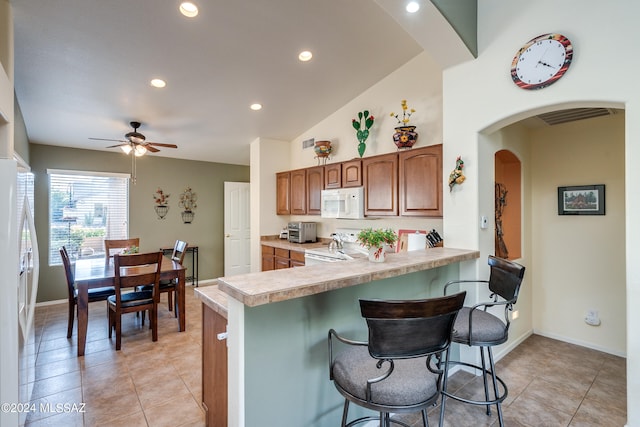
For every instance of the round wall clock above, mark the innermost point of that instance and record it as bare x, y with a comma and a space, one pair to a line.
541, 61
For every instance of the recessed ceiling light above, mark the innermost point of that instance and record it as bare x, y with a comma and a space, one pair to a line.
413, 7
188, 9
256, 106
305, 56
158, 83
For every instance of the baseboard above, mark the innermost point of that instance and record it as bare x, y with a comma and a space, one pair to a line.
46, 303
580, 343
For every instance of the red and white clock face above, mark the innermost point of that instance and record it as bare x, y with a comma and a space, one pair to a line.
541, 61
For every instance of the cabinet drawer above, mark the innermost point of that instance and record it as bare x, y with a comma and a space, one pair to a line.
297, 257
282, 253
267, 250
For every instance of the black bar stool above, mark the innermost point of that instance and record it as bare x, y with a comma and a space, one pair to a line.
398, 369
475, 326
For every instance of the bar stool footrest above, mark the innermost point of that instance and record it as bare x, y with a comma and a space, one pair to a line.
374, 418
495, 401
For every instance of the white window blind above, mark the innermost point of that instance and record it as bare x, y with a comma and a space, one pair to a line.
84, 209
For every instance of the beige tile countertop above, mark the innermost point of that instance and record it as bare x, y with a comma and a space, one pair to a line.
285, 244
254, 289
214, 298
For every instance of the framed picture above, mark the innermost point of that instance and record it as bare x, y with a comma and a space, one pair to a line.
581, 200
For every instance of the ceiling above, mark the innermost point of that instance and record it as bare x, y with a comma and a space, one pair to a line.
83, 67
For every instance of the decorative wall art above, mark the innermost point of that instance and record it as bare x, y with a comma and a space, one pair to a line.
362, 129
581, 200
162, 203
188, 202
456, 177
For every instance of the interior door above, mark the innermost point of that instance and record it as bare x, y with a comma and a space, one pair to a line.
237, 228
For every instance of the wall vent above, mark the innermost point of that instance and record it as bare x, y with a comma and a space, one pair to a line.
573, 114
308, 143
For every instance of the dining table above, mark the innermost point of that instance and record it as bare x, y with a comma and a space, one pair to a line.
97, 273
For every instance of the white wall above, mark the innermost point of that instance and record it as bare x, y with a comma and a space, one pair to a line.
268, 156
578, 261
479, 96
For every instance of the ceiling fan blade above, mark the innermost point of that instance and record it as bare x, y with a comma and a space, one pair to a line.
119, 145
150, 148
105, 139
159, 144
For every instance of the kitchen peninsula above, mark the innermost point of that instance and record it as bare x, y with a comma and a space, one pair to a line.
278, 322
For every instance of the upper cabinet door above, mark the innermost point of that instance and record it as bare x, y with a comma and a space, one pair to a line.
380, 176
333, 175
315, 185
420, 176
352, 173
299, 192
283, 193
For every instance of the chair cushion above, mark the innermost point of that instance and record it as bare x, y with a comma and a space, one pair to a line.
99, 294
411, 383
164, 285
487, 328
132, 299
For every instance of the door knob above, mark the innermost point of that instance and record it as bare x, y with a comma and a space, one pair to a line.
227, 235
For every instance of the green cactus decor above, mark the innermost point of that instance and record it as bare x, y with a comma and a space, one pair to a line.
362, 133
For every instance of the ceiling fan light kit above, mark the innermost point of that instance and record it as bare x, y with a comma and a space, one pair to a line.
137, 143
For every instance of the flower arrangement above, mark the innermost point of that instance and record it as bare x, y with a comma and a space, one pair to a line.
375, 238
362, 133
456, 176
406, 114
130, 250
160, 197
188, 200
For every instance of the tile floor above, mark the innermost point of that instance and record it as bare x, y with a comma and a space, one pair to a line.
144, 384
551, 383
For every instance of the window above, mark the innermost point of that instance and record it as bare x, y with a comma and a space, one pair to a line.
84, 209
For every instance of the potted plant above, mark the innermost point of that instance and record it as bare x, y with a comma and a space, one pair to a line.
375, 240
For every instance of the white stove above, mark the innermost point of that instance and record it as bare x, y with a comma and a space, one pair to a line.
350, 249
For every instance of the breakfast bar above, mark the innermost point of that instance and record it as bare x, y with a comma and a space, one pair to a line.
278, 322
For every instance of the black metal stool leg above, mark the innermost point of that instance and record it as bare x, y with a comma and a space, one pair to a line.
484, 379
344, 413
495, 387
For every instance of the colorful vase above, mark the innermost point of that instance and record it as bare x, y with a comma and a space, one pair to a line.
405, 137
322, 150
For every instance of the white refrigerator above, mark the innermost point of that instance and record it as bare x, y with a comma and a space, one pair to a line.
19, 265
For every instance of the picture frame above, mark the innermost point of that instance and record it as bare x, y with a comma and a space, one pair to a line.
581, 200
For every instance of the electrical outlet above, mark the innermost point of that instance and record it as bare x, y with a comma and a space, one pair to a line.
484, 222
592, 318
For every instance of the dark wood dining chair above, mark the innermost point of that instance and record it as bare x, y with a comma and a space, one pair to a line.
132, 271
96, 294
169, 286
112, 246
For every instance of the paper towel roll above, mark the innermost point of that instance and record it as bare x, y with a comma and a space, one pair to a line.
416, 241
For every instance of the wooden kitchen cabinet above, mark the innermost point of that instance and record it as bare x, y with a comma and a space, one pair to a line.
268, 258
283, 193
214, 368
278, 258
298, 182
281, 258
380, 179
315, 185
296, 259
352, 173
420, 181
333, 176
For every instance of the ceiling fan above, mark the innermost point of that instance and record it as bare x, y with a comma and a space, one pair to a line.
136, 142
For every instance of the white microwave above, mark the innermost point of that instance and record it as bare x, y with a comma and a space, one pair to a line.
346, 203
